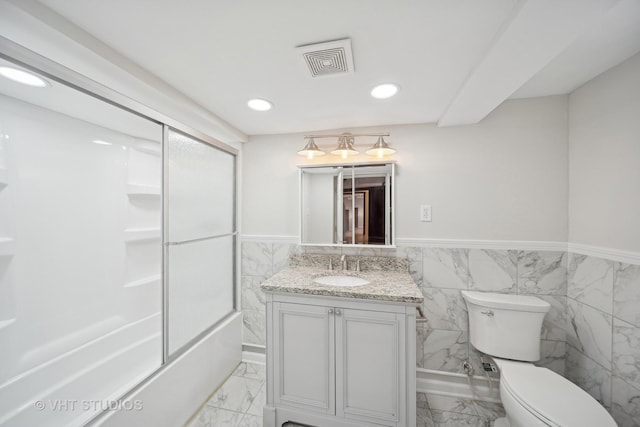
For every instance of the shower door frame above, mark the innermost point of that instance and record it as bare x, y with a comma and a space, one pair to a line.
54, 71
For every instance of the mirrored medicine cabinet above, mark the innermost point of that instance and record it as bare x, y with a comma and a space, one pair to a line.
347, 204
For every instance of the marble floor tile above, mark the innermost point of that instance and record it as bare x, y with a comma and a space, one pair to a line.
490, 410
442, 403
424, 418
236, 394
255, 371
454, 419
258, 403
249, 420
216, 417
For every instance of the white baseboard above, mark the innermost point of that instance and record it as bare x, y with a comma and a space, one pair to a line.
250, 356
432, 382
456, 385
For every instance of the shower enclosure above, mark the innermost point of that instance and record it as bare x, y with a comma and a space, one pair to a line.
117, 249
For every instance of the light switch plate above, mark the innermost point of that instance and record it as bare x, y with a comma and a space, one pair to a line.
425, 213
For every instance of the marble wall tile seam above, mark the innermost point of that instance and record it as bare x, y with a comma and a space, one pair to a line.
569, 345
577, 301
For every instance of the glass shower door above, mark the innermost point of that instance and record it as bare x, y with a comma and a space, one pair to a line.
201, 237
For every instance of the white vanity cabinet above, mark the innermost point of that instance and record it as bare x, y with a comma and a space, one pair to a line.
339, 361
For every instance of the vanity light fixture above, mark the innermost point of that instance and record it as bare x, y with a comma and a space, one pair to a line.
258, 104
345, 146
24, 77
311, 150
380, 148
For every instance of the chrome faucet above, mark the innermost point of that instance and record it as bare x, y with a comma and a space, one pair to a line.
343, 260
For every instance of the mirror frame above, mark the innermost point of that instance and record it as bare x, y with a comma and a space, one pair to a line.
391, 211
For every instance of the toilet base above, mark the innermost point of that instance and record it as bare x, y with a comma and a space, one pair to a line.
501, 422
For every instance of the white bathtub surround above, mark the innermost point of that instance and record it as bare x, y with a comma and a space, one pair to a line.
172, 395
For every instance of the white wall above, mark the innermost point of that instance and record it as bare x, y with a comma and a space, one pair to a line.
604, 168
502, 179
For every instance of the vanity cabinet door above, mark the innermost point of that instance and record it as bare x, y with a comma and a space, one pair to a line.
304, 374
370, 369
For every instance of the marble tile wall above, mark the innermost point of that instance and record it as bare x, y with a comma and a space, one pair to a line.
446, 271
603, 333
442, 342
591, 334
260, 260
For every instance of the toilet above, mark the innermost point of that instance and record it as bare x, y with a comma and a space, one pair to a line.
507, 328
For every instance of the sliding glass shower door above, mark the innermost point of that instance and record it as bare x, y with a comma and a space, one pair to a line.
201, 237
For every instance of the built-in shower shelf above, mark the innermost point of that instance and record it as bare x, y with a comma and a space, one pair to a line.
141, 234
148, 147
146, 281
141, 190
4, 177
6, 246
5, 323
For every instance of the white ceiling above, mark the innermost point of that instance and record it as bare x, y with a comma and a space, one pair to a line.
455, 60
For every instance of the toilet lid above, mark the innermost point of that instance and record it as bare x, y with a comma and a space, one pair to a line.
552, 398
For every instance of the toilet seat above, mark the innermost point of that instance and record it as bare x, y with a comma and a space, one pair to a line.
551, 398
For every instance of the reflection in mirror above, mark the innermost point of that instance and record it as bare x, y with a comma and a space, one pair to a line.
346, 205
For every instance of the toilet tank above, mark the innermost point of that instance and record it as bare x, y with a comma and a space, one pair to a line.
504, 325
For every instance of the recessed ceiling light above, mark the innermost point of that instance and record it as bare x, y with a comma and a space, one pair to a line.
97, 141
259, 104
24, 77
384, 91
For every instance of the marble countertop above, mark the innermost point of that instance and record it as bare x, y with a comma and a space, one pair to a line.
397, 286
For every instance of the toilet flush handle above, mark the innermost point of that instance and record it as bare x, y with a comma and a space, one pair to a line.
487, 313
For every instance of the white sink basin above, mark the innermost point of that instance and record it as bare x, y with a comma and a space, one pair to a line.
343, 281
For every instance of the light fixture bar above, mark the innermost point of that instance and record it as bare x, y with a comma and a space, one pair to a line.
351, 134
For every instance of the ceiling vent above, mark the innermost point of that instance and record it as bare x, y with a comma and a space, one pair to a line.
328, 58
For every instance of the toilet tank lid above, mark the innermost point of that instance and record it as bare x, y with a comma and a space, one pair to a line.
506, 301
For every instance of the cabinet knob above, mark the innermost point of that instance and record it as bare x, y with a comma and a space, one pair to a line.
331, 311
338, 312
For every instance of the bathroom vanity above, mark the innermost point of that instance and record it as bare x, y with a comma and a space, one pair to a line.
341, 355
